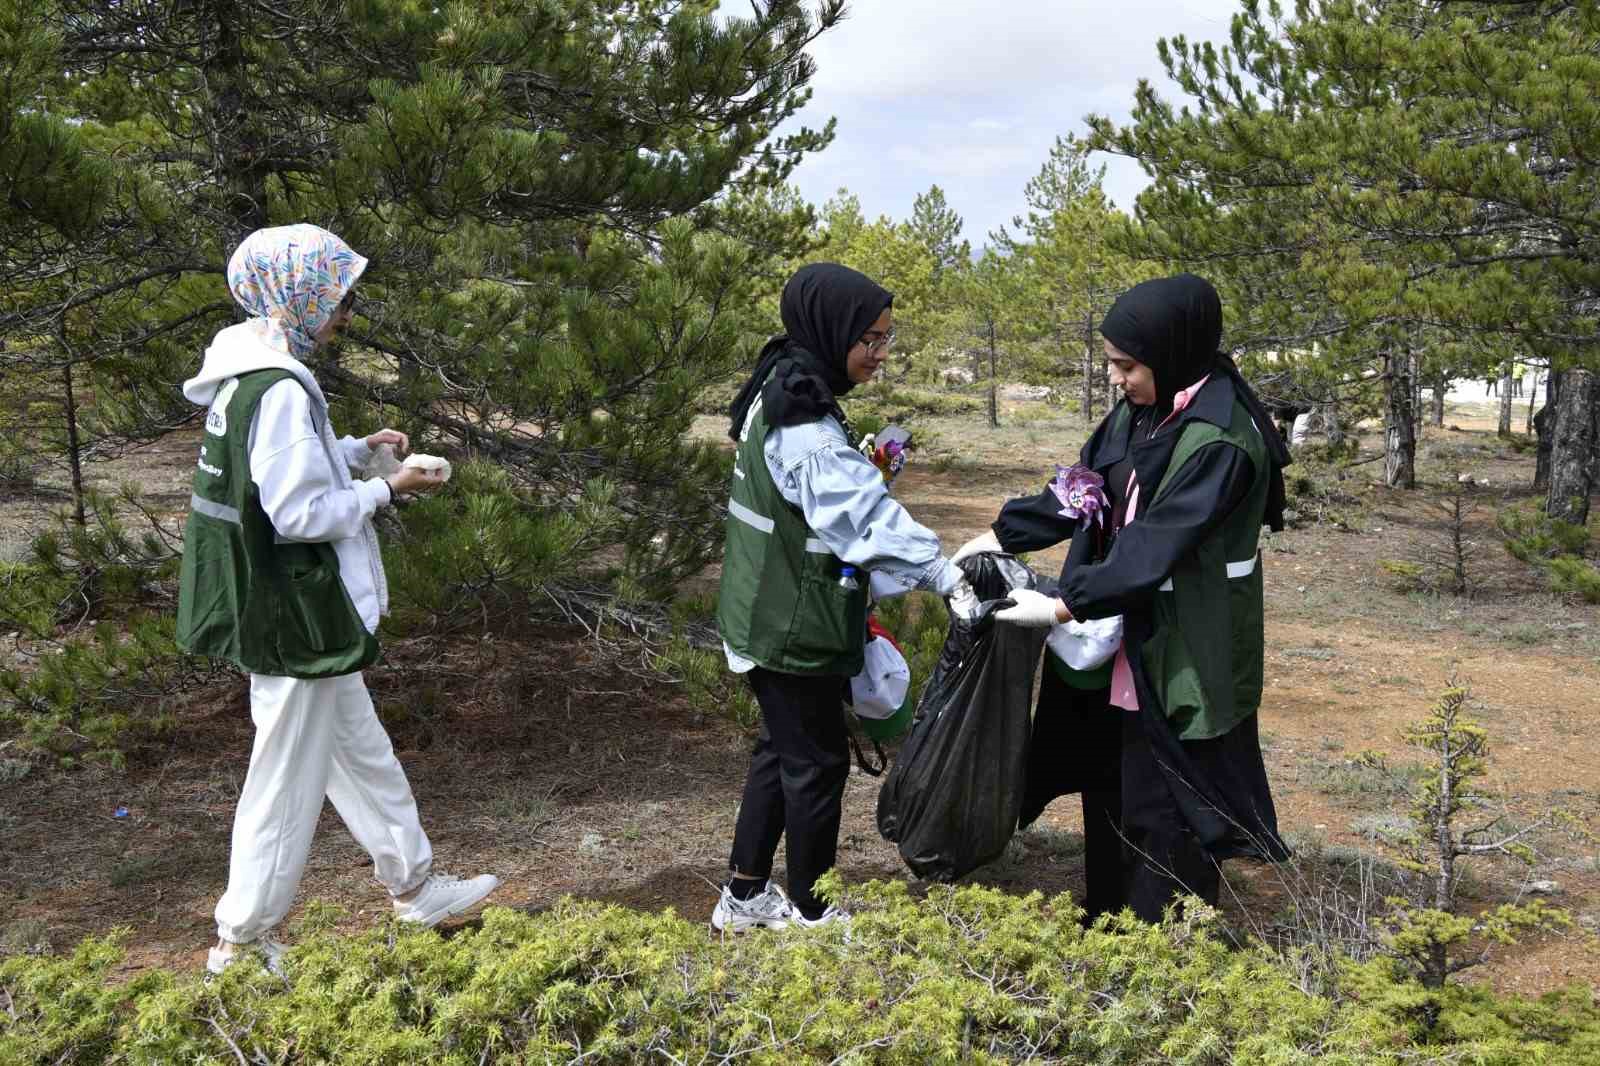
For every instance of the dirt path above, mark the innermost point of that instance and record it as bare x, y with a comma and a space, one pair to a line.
533, 756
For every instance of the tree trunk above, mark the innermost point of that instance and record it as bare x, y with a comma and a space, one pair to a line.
1088, 367
1544, 426
1440, 387
74, 446
1400, 426
1418, 412
1332, 428
1506, 376
232, 127
1105, 376
1573, 447
1533, 397
994, 399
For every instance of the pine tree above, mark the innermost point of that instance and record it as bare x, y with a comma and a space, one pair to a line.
570, 208
1374, 170
53, 188
1072, 270
937, 227
896, 257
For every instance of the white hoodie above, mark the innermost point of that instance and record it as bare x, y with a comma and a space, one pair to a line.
307, 493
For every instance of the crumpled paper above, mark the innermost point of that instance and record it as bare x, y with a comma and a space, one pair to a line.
434, 465
384, 463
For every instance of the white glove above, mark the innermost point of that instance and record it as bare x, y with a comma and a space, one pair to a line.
964, 602
983, 542
1033, 610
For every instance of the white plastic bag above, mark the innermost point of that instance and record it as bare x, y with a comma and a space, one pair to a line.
1086, 645
879, 690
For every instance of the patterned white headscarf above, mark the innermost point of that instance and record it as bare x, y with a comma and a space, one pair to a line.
291, 279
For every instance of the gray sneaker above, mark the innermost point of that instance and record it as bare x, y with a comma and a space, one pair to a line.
767, 909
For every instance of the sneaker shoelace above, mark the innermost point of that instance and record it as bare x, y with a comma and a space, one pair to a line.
772, 902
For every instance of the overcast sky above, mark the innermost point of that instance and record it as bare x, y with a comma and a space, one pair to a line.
971, 94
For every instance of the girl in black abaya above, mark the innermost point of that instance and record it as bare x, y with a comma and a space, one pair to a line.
1166, 756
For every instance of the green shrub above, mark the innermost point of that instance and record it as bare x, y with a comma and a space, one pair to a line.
1318, 493
97, 698
96, 691
703, 672
1406, 576
901, 403
1521, 443
1573, 578
1324, 454
970, 975
459, 558
18, 472
1554, 546
1532, 536
100, 569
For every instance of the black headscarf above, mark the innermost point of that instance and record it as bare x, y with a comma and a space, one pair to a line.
802, 372
1174, 327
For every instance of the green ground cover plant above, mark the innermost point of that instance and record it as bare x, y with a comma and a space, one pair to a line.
967, 975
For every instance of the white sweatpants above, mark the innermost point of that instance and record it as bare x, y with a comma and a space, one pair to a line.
315, 739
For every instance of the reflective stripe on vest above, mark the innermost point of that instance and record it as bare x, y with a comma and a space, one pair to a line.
764, 524
1235, 571
211, 509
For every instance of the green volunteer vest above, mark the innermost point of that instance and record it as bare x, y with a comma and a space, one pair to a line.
1205, 656
780, 604
266, 606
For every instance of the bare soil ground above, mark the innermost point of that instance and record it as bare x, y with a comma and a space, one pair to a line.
537, 756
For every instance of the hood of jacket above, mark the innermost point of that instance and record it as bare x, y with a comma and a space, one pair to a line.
240, 349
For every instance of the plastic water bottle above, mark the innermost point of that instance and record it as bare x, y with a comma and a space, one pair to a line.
847, 578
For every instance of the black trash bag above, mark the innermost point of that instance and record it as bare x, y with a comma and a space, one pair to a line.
952, 799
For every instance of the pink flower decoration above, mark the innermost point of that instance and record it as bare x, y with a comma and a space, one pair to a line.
1082, 493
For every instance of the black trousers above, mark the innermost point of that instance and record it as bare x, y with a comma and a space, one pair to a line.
1139, 851
796, 781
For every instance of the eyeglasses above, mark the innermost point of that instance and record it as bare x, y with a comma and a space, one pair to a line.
878, 343
348, 300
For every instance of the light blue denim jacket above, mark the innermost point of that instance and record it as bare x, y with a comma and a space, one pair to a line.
847, 505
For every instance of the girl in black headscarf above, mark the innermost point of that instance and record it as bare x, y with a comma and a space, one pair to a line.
810, 522
1165, 750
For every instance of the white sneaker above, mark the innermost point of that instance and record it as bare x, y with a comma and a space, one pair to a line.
833, 915
442, 896
219, 958
767, 909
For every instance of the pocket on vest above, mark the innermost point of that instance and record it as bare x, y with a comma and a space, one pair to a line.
830, 620
316, 614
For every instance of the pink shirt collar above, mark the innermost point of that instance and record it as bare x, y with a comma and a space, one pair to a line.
1184, 398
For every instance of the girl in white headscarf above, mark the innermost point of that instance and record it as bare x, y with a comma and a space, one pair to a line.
282, 576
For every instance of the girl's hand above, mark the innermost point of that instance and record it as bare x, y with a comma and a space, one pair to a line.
1033, 610
401, 442
410, 479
